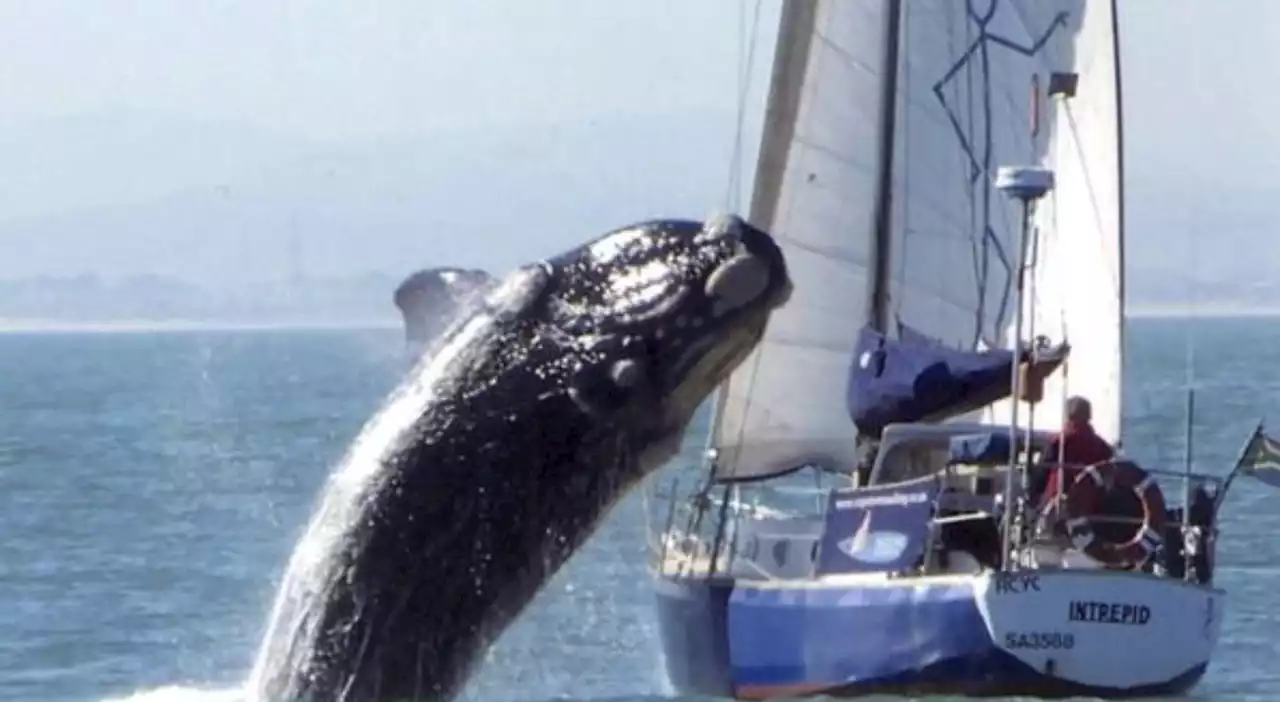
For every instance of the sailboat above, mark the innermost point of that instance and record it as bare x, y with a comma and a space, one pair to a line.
878, 510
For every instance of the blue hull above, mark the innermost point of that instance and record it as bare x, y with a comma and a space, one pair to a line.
754, 642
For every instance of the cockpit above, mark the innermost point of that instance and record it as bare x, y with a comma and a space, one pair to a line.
910, 451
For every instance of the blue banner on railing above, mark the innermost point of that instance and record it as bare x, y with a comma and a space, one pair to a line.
877, 528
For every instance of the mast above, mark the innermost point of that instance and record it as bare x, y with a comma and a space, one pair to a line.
1119, 124
1188, 562
1026, 184
790, 61
881, 246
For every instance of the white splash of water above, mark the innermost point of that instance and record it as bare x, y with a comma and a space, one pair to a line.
311, 567
181, 693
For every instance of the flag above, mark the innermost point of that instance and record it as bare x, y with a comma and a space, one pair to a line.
1261, 459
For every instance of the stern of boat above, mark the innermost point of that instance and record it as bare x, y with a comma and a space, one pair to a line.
1104, 633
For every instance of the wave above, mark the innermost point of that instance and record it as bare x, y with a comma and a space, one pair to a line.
183, 693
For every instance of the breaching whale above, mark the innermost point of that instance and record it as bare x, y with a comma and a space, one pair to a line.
504, 449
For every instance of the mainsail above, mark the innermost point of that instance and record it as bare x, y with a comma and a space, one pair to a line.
886, 122
1078, 284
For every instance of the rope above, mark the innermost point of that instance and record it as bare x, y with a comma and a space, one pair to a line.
1190, 341
746, 62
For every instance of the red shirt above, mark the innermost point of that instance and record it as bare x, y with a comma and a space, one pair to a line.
1080, 446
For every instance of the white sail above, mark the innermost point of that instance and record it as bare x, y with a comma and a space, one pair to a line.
817, 189
958, 78
1078, 282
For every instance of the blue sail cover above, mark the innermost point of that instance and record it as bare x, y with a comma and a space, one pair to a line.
917, 379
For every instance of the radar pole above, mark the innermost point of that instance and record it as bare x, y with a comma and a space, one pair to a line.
1027, 184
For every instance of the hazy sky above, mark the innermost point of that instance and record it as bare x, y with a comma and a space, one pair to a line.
295, 77
314, 106
336, 70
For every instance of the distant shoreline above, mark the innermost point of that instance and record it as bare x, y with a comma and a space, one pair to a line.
144, 326
1201, 312
141, 326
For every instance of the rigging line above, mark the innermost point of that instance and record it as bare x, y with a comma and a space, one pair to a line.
746, 62
732, 201
1192, 303
1190, 334
735, 159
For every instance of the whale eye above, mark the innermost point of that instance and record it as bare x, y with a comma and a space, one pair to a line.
604, 388
626, 373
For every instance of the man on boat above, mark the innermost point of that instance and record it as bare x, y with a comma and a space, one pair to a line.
1076, 446
1078, 443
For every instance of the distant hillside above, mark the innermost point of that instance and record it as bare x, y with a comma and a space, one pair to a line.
367, 298
199, 220
90, 299
480, 198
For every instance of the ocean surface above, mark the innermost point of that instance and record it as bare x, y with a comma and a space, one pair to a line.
154, 485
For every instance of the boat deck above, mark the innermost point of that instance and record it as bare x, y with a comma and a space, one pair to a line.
679, 564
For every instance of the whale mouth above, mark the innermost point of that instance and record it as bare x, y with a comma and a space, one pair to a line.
720, 362
704, 365
739, 296
738, 299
